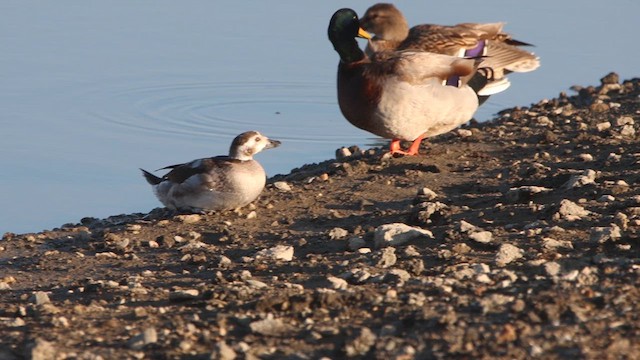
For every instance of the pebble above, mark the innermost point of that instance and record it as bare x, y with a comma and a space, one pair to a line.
270, 327
148, 336
604, 234
483, 237
343, 153
525, 193
41, 349
624, 120
464, 133
411, 251
398, 275
189, 219
585, 157
388, 257
355, 243
606, 198
588, 177
361, 344
571, 211
222, 351
252, 215
508, 253
256, 284
182, 295
106, 255
428, 209
553, 244
282, 186
278, 252
337, 233
40, 298
466, 227
603, 126
337, 283
427, 194
397, 234
628, 131
552, 268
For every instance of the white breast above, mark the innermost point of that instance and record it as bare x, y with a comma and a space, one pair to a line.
406, 111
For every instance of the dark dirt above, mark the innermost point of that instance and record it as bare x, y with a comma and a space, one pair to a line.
534, 253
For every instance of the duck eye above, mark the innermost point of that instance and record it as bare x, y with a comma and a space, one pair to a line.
258, 139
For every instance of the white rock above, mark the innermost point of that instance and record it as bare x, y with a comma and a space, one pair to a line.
603, 126
571, 211
624, 120
585, 157
41, 350
464, 133
604, 234
397, 234
388, 257
614, 157
343, 153
508, 253
40, 298
337, 283
189, 219
337, 233
525, 193
483, 237
426, 193
481, 268
586, 178
279, 252
223, 352
552, 244
552, 268
186, 294
282, 186
400, 274
606, 198
466, 227
628, 131
270, 327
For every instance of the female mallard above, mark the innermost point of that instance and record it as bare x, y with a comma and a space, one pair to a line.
500, 50
400, 95
215, 183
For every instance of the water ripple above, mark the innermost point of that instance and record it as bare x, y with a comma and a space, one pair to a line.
293, 111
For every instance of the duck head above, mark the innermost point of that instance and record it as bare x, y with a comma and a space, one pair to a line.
344, 27
249, 143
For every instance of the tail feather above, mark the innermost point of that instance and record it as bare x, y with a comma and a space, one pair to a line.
501, 56
151, 179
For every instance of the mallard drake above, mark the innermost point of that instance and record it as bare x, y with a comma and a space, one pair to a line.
501, 51
215, 183
399, 95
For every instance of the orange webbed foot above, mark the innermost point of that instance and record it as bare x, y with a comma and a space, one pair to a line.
394, 147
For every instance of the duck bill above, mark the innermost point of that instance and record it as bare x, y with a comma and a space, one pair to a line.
362, 33
272, 144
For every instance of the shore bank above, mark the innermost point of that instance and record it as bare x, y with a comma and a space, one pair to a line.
513, 238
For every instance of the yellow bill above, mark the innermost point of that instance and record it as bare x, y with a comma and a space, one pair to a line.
364, 34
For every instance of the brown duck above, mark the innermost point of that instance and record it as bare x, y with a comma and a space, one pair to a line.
501, 51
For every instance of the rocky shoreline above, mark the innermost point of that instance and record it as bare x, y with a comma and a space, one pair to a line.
513, 238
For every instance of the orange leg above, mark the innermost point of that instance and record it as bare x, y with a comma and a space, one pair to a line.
394, 147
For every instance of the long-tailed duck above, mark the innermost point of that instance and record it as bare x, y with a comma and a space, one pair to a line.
215, 183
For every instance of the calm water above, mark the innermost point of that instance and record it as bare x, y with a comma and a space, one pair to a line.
90, 91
